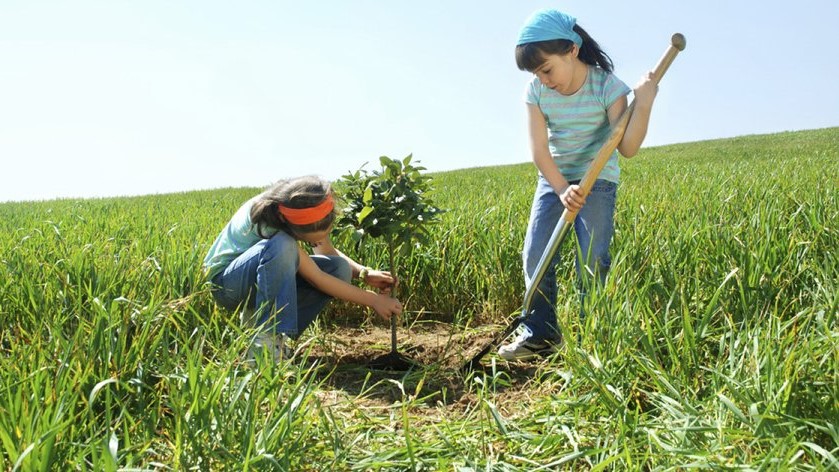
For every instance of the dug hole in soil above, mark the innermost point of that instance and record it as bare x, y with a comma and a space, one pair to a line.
436, 351
424, 344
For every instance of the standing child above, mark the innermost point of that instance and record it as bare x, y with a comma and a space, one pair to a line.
571, 102
257, 264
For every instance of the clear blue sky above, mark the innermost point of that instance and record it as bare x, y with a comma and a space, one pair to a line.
117, 97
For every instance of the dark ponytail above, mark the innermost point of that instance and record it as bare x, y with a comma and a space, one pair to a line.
591, 53
530, 56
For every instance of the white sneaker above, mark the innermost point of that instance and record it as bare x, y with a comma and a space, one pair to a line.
276, 345
522, 348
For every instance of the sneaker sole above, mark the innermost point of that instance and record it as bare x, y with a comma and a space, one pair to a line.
544, 354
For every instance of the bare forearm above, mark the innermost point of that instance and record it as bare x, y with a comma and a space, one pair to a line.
636, 131
337, 288
541, 153
327, 249
547, 167
383, 304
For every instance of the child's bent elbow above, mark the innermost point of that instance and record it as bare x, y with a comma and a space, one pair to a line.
628, 152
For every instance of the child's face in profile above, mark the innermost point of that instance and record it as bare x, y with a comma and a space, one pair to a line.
557, 72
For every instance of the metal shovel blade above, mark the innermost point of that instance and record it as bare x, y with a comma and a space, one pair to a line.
392, 361
559, 233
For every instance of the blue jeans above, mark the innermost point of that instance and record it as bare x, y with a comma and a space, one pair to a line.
264, 278
594, 227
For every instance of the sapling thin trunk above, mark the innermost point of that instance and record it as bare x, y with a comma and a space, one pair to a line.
391, 254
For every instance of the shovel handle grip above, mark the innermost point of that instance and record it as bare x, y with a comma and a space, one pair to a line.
677, 45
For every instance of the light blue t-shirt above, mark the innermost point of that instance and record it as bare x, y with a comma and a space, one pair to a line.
578, 124
237, 237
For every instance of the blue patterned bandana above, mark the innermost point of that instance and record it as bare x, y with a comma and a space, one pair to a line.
545, 25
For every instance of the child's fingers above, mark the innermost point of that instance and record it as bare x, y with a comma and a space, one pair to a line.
572, 198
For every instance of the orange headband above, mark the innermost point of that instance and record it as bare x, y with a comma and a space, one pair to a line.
307, 216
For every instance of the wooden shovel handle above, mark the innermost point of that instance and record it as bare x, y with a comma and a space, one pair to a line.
677, 44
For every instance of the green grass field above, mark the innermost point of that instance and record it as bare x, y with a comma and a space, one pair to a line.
714, 344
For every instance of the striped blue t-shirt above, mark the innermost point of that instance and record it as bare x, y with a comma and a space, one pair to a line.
578, 124
237, 237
